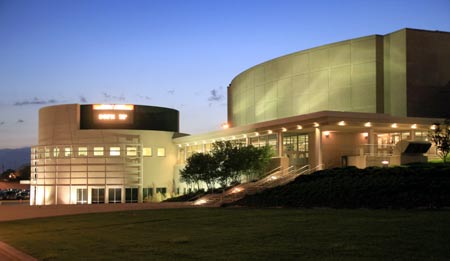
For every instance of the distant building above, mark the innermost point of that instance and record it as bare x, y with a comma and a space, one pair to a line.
358, 102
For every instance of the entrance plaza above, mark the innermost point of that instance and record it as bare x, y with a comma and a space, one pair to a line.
369, 101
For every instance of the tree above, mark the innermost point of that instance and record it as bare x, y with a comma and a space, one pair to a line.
23, 173
439, 135
200, 167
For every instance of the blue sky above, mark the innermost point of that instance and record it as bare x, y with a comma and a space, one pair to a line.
178, 54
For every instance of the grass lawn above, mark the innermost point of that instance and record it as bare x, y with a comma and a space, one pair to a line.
230, 234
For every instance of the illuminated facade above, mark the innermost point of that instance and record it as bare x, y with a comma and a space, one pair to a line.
358, 102
103, 154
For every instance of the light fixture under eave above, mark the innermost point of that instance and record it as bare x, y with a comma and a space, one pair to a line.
269, 131
433, 127
365, 135
256, 134
414, 126
283, 129
299, 127
341, 123
394, 125
244, 136
326, 133
316, 125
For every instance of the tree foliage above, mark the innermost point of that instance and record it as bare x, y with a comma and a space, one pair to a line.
440, 137
225, 164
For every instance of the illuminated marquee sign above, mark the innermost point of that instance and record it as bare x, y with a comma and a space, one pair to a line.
113, 113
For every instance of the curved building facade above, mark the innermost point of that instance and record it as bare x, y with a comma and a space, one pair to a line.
388, 74
103, 154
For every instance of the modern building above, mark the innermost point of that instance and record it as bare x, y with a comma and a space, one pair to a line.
369, 101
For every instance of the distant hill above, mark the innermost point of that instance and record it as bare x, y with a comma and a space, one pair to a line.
14, 158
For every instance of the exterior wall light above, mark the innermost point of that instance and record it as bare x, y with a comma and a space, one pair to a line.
225, 125
269, 131
433, 127
299, 127
394, 125
326, 133
414, 126
385, 163
316, 125
256, 134
368, 124
245, 135
365, 135
283, 129
341, 123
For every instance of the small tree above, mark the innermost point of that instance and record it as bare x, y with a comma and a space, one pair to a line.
200, 167
440, 137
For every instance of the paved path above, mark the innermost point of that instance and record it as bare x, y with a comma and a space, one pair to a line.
20, 211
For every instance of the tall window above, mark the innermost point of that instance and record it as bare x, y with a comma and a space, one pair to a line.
131, 195
115, 195
82, 196
98, 195
55, 152
147, 194
296, 148
67, 152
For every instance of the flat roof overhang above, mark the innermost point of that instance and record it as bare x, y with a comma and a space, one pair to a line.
325, 120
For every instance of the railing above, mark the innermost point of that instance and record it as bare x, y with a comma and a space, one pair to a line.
274, 178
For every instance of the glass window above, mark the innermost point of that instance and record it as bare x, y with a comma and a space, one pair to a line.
114, 151
55, 152
115, 195
131, 151
82, 151
98, 151
82, 196
47, 153
131, 195
161, 152
98, 196
147, 194
67, 152
161, 190
147, 152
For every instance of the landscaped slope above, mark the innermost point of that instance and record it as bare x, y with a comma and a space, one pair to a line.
398, 187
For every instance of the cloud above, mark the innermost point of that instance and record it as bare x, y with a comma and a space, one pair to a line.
144, 97
83, 99
109, 97
171, 92
215, 95
35, 101
20, 121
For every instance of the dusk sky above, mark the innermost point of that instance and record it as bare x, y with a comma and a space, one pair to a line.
176, 54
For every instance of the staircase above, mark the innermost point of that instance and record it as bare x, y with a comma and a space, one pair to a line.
271, 179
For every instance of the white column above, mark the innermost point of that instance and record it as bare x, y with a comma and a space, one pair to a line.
318, 147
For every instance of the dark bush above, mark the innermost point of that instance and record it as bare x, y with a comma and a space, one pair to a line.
411, 186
